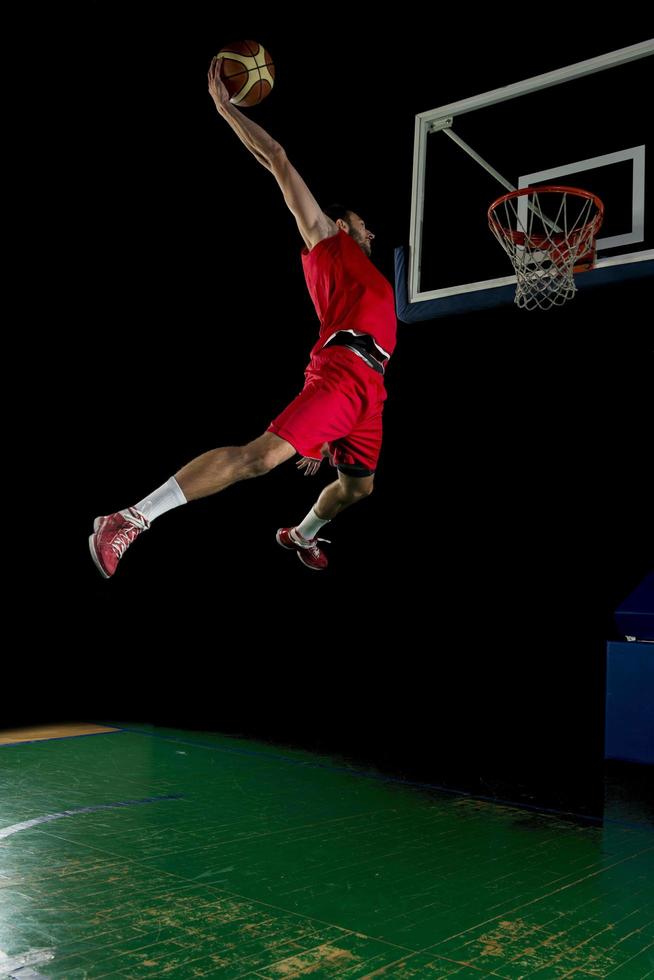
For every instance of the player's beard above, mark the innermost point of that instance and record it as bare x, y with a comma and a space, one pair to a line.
363, 243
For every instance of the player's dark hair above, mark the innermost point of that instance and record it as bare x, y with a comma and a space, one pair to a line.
336, 211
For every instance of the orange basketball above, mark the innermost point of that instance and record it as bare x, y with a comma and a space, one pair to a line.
247, 71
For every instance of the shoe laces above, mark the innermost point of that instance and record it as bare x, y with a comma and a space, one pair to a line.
313, 547
134, 524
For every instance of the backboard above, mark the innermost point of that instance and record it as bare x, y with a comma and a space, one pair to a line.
587, 125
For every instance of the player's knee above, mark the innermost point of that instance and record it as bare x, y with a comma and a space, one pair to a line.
259, 460
268, 461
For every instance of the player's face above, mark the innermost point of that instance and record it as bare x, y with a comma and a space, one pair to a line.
358, 231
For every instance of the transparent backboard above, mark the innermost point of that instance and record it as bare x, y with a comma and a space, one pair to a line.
587, 125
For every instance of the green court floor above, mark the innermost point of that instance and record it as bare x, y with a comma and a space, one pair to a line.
157, 853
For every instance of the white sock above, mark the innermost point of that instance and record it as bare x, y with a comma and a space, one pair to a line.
310, 525
168, 495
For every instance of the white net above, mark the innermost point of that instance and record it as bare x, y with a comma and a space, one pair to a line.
546, 249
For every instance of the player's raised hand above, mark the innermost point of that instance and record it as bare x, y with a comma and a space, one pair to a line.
217, 89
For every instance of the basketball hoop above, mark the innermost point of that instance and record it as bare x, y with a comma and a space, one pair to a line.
547, 249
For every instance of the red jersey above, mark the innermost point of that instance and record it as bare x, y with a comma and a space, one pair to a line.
349, 292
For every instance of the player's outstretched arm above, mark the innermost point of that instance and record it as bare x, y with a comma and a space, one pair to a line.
312, 223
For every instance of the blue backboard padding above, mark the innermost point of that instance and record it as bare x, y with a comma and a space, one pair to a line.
629, 702
497, 296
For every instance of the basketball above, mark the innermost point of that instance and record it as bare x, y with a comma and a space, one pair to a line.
247, 72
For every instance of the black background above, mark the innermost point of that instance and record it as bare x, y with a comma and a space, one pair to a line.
459, 633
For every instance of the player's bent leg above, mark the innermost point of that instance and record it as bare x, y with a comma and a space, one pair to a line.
342, 493
334, 498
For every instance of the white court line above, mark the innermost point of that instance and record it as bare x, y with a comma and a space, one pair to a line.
20, 966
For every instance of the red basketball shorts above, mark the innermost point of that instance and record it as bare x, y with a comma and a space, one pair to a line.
341, 404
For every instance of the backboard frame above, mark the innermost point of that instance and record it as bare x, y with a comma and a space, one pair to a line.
492, 292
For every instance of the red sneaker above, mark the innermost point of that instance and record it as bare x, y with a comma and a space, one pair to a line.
307, 551
113, 536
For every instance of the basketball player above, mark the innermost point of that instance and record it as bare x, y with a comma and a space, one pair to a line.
338, 414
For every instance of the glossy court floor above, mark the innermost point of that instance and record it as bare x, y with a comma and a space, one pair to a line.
157, 853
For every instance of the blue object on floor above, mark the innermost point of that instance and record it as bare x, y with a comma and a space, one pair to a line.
630, 702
